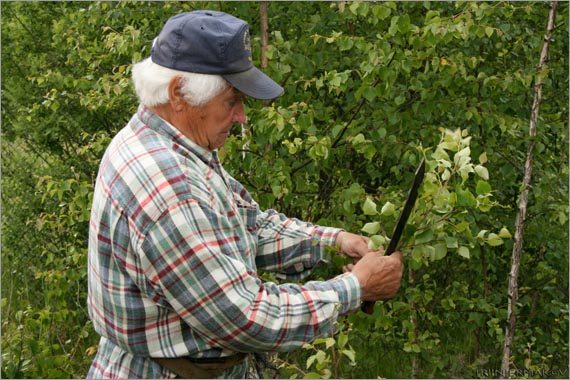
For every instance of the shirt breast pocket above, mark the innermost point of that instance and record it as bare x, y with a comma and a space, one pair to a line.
248, 216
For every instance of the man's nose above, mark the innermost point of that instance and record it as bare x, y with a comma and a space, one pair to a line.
239, 114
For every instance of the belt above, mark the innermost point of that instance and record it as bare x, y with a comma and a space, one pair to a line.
207, 368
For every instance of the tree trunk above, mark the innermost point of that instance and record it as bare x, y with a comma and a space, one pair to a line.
414, 321
264, 32
523, 203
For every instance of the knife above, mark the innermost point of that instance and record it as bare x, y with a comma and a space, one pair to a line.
368, 306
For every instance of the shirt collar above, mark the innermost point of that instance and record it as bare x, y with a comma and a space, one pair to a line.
162, 126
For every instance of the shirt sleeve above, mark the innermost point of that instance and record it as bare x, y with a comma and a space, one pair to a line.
186, 259
290, 247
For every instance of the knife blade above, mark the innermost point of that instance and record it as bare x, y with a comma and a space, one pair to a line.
368, 306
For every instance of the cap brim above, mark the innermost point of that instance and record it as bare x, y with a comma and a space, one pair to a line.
253, 82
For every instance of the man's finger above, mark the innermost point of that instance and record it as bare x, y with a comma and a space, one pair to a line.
398, 255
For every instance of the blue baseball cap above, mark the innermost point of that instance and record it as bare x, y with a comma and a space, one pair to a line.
210, 42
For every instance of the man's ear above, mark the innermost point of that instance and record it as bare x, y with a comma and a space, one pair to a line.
175, 95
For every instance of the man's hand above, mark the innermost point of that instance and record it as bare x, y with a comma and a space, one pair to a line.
379, 276
352, 245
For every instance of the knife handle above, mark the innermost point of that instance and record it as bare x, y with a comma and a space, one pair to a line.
368, 306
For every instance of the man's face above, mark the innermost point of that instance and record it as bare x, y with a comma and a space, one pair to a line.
209, 125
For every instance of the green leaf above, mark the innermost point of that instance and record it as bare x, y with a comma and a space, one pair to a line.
393, 29
381, 11
371, 228
321, 355
440, 251
465, 170
442, 199
369, 207
342, 340
482, 188
345, 44
494, 240
451, 242
418, 253
412, 347
481, 234
463, 226
464, 197
423, 237
350, 354
310, 362
354, 8
388, 209
505, 234
339, 260
429, 252
376, 242
358, 139
319, 341
482, 172
462, 157
446, 175
464, 252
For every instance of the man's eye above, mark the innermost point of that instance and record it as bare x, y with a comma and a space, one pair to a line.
232, 103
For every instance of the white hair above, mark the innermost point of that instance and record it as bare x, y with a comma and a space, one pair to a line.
151, 84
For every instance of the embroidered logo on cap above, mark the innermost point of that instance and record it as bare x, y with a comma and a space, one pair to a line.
246, 44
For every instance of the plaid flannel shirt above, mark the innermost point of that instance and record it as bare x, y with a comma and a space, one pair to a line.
175, 244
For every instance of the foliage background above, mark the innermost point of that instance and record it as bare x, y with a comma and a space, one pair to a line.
367, 87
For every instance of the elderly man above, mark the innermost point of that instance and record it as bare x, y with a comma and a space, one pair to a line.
176, 243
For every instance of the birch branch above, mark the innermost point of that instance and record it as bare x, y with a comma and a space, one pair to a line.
523, 202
